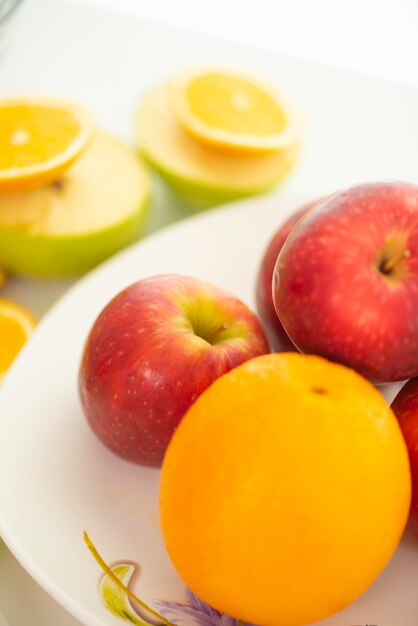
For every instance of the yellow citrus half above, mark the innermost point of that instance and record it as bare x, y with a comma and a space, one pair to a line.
285, 490
234, 110
199, 171
16, 324
39, 139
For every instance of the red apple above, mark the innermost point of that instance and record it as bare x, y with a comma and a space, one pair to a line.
405, 406
278, 338
155, 347
346, 280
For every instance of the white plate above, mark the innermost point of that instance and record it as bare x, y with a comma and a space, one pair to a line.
55, 479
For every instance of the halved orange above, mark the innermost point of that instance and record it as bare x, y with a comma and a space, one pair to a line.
234, 110
16, 324
39, 138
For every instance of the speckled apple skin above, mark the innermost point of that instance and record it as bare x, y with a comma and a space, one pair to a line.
143, 366
276, 334
405, 407
329, 293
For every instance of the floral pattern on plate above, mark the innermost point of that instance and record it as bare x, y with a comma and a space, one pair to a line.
191, 612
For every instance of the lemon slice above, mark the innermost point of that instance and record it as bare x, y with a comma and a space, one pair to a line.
234, 110
39, 139
16, 324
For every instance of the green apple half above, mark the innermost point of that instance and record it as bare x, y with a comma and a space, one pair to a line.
204, 175
97, 207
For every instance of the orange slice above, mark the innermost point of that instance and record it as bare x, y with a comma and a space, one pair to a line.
39, 139
234, 110
16, 324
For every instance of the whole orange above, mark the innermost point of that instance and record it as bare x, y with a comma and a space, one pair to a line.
285, 490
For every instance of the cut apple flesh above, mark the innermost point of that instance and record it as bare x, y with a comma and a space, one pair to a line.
95, 209
178, 155
103, 187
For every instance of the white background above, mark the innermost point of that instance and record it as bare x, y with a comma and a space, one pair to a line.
377, 37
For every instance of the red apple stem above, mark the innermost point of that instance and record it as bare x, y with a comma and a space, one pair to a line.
388, 265
104, 566
58, 185
216, 330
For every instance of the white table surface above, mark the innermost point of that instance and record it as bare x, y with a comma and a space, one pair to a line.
376, 37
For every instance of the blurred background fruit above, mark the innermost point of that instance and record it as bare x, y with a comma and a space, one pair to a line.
232, 110
40, 138
98, 206
16, 324
187, 129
